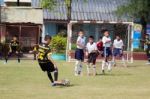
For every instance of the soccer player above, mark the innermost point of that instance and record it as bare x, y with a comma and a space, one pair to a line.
79, 53
91, 52
14, 49
100, 46
147, 43
118, 50
47, 64
107, 52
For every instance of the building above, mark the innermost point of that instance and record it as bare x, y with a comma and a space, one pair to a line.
23, 21
90, 11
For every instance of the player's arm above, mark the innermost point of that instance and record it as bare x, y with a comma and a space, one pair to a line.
10, 49
86, 50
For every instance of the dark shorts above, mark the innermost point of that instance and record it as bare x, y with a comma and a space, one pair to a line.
148, 53
117, 52
92, 58
46, 65
79, 54
107, 52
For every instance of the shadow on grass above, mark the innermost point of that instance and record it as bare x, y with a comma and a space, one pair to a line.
109, 74
61, 86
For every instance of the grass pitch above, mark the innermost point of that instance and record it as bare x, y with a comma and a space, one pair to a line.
25, 80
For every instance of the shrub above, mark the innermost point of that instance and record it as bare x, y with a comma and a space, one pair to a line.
59, 44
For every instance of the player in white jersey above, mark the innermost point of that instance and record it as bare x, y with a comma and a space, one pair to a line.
91, 52
107, 52
79, 53
118, 50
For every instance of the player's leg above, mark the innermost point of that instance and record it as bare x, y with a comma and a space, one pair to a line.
77, 63
50, 77
56, 74
114, 56
148, 55
88, 64
94, 62
110, 62
104, 62
18, 56
123, 58
81, 62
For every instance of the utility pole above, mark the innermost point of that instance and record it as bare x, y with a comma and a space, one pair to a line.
18, 2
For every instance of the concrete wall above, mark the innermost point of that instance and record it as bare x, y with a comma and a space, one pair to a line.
22, 15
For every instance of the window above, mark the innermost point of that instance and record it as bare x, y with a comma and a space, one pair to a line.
14, 2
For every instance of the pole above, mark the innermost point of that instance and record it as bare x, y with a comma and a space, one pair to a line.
18, 2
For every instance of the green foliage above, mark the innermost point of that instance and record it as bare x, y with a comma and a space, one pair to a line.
135, 8
48, 4
138, 50
59, 43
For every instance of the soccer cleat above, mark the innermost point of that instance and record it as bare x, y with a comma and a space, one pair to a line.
53, 84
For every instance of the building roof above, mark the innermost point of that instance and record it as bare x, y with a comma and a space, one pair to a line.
85, 10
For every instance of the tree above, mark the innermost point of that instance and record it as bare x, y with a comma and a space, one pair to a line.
136, 9
51, 4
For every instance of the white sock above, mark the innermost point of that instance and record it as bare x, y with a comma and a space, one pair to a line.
109, 65
76, 66
80, 67
113, 60
94, 69
88, 69
103, 65
123, 61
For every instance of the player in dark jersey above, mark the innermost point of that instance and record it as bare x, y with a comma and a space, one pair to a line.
14, 49
47, 64
146, 42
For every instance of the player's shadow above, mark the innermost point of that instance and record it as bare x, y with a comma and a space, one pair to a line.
71, 85
114, 74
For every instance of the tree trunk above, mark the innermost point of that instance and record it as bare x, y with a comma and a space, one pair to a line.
18, 2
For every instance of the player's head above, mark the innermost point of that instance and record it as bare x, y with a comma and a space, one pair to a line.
81, 33
146, 36
47, 39
105, 32
117, 37
91, 39
15, 38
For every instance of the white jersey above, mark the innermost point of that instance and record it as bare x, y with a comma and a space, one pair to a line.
106, 41
91, 47
81, 41
118, 44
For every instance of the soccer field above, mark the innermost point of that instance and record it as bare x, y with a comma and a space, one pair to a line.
25, 80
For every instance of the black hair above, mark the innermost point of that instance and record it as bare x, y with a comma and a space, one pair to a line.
118, 35
48, 37
91, 37
104, 30
100, 37
15, 36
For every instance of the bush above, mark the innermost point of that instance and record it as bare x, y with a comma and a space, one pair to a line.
59, 44
138, 50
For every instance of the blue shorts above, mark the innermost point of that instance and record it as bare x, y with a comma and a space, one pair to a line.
117, 52
107, 52
79, 54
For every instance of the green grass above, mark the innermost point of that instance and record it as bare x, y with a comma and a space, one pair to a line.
27, 81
